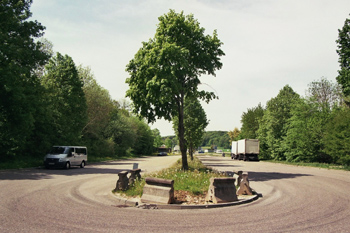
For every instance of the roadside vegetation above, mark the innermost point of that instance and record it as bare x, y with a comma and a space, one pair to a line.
195, 180
316, 165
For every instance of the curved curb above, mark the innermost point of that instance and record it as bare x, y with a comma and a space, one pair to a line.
124, 202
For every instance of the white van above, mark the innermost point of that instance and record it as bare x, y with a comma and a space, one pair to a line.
66, 156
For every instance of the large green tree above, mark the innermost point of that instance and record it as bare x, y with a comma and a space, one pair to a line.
250, 121
20, 55
305, 132
157, 138
273, 125
337, 136
167, 68
99, 109
195, 122
67, 102
344, 59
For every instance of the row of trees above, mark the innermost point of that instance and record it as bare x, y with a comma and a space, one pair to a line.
45, 99
315, 128
216, 138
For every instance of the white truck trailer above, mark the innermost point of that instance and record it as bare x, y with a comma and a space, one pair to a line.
234, 151
246, 149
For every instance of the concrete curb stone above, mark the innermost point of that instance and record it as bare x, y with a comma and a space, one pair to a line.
135, 202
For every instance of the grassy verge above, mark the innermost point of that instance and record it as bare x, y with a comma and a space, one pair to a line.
317, 165
21, 162
195, 180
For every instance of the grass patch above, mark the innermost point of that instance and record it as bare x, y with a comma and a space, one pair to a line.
195, 180
21, 162
317, 165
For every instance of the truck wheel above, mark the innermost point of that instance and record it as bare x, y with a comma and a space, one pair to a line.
82, 165
67, 166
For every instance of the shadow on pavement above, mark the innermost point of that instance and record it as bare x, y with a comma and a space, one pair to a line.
265, 176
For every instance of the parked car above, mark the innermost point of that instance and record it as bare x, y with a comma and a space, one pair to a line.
66, 156
162, 153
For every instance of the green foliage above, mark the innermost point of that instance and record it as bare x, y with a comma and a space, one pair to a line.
157, 138
195, 121
305, 131
250, 122
169, 143
337, 137
216, 138
167, 68
272, 128
235, 134
42, 104
67, 103
344, 59
144, 138
19, 88
195, 179
99, 109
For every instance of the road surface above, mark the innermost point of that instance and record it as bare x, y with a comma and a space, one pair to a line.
293, 199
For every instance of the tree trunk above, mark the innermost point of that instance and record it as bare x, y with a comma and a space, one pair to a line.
181, 129
190, 149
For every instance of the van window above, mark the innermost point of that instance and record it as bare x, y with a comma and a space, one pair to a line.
59, 150
81, 150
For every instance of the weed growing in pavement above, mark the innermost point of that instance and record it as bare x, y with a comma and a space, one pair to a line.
195, 180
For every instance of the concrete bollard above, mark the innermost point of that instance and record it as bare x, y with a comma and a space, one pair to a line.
134, 174
238, 176
158, 190
244, 188
221, 190
123, 181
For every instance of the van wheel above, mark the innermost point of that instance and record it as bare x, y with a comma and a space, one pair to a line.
67, 166
82, 165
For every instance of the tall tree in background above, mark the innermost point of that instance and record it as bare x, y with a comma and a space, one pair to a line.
20, 90
99, 109
250, 122
234, 134
325, 93
66, 99
344, 59
157, 138
195, 122
167, 68
273, 127
337, 136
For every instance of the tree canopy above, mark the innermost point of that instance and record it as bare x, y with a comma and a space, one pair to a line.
344, 59
20, 90
167, 68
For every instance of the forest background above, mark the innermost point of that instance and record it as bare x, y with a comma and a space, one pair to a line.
46, 99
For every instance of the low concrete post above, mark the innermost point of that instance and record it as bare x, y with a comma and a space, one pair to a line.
158, 190
244, 188
238, 176
134, 174
123, 181
221, 190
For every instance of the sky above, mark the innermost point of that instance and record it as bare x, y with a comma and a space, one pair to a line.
268, 44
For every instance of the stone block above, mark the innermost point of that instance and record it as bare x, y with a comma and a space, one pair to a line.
221, 190
238, 176
158, 190
244, 188
123, 181
134, 175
